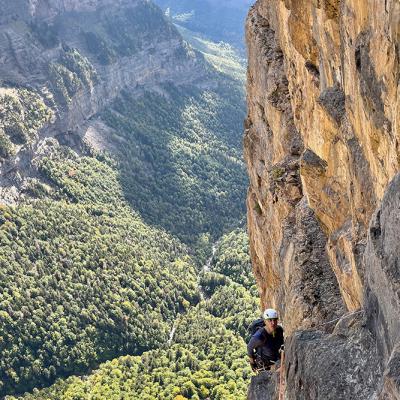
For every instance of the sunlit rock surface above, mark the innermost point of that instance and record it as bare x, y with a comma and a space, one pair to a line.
322, 145
50, 46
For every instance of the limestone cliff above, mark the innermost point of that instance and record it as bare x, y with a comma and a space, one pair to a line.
322, 149
74, 58
49, 9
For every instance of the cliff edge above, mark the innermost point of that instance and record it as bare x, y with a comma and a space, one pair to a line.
322, 150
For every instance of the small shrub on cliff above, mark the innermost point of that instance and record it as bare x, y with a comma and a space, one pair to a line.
99, 48
70, 74
16, 133
45, 33
22, 114
6, 146
80, 65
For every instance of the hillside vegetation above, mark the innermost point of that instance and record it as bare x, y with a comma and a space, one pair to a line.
80, 273
205, 357
180, 159
93, 278
104, 293
224, 57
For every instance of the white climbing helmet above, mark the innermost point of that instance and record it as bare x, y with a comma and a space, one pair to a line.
270, 313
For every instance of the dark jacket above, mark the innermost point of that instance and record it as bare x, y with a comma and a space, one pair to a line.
265, 345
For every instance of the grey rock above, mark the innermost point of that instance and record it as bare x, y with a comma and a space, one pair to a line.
47, 9
264, 386
391, 388
382, 269
341, 365
311, 292
333, 100
382, 293
309, 158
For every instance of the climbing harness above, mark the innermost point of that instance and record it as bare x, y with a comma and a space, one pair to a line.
262, 365
262, 368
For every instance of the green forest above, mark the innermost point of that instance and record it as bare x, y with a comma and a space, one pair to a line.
85, 280
79, 278
125, 274
182, 179
205, 357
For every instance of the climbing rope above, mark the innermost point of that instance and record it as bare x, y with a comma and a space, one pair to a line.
282, 377
343, 316
281, 371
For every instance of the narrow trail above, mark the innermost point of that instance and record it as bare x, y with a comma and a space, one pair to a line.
205, 268
173, 329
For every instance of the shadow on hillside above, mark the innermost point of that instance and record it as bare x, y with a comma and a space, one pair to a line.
180, 157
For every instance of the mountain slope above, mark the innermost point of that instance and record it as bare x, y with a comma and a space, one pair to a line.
87, 268
204, 357
217, 20
188, 166
79, 279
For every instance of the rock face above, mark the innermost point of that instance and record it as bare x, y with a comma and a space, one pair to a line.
78, 56
48, 9
262, 385
382, 301
322, 146
341, 365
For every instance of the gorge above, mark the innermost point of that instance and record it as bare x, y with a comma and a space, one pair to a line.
121, 167
121, 178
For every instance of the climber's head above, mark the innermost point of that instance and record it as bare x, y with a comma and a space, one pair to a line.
271, 319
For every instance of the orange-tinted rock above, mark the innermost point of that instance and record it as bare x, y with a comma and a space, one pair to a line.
322, 94
322, 145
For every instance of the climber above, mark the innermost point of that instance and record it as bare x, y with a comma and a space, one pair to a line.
265, 345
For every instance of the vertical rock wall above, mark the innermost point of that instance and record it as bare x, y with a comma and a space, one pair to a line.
322, 145
44, 47
28, 10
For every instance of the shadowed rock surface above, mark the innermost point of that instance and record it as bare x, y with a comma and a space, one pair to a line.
264, 386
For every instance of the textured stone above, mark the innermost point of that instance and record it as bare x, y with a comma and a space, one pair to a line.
323, 103
341, 63
341, 365
48, 9
382, 259
25, 62
391, 388
287, 245
263, 386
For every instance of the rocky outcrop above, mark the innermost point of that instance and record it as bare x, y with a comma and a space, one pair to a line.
77, 56
264, 384
382, 257
322, 145
341, 365
29, 10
